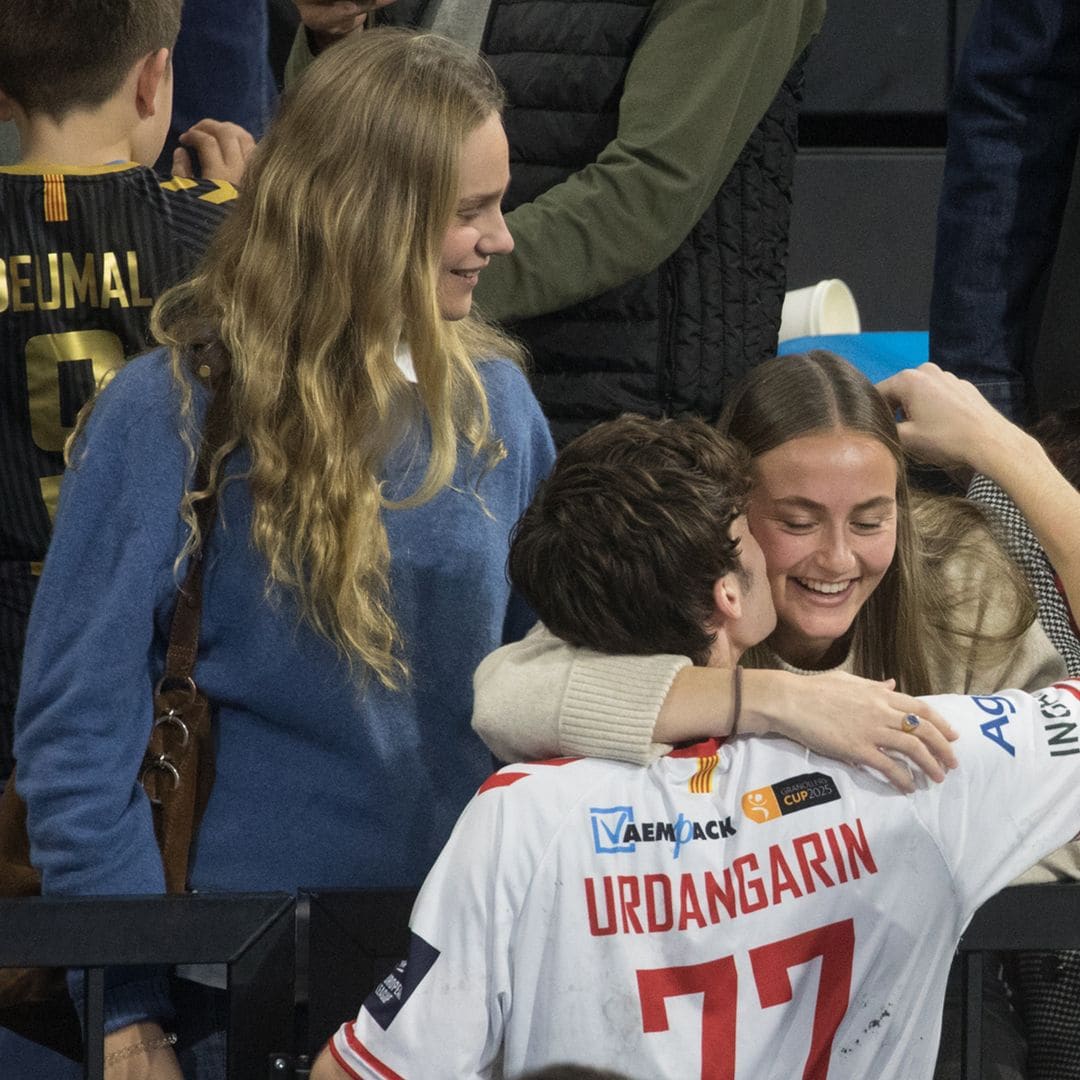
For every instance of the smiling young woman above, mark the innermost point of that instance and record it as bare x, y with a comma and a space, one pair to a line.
824, 512
868, 579
379, 443
868, 576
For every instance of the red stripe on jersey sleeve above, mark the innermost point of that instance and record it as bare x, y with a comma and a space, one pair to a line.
1069, 688
705, 748
500, 779
335, 1053
366, 1056
505, 779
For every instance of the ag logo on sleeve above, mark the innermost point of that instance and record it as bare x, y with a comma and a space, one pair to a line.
788, 796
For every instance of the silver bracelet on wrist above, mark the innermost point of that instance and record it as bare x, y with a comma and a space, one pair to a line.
147, 1046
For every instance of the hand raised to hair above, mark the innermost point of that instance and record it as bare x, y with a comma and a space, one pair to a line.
222, 148
946, 421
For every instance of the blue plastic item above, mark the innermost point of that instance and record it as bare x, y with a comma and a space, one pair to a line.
877, 354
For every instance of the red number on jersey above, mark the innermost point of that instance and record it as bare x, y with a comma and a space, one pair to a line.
835, 944
717, 982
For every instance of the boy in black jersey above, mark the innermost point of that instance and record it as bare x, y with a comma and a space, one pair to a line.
89, 237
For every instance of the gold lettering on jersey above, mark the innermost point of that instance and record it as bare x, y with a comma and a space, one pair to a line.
62, 279
20, 282
44, 355
52, 301
137, 299
79, 288
112, 285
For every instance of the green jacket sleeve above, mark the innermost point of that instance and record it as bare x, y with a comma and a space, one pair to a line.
300, 56
704, 74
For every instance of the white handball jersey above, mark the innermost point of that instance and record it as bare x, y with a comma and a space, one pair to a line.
746, 910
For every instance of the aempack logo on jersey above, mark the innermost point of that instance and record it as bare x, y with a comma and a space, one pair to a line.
789, 796
615, 831
608, 825
385, 1001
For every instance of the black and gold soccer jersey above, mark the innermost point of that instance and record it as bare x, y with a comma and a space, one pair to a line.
84, 254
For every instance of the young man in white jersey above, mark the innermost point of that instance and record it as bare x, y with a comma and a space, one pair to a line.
736, 910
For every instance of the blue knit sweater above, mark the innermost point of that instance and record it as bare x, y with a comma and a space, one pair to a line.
318, 783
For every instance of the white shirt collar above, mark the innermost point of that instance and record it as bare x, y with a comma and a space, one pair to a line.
403, 359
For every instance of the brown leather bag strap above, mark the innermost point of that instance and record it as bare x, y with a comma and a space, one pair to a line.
178, 767
187, 615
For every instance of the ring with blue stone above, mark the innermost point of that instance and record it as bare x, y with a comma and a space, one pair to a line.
909, 723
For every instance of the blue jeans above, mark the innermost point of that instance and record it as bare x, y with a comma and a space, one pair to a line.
1013, 123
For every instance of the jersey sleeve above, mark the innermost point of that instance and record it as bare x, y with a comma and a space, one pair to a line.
194, 209
1016, 795
440, 1013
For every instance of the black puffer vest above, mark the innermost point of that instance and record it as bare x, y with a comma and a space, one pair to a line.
676, 339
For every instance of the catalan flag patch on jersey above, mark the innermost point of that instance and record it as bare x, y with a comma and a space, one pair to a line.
56, 207
701, 781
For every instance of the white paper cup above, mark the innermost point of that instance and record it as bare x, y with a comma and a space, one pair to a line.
825, 308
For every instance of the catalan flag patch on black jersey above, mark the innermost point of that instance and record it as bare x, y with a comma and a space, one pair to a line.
56, 207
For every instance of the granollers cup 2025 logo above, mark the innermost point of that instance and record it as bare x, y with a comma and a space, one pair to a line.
789, 796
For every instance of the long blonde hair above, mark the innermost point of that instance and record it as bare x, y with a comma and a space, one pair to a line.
917, 622
329, 260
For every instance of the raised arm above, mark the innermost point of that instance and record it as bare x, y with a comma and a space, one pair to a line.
222, 150
948, 422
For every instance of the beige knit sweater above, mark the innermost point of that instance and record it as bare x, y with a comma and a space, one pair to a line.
543, 698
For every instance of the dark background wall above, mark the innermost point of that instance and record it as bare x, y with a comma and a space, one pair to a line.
872, 138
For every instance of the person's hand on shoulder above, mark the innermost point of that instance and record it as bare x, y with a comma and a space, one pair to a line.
221, 148
847, 718
330, 20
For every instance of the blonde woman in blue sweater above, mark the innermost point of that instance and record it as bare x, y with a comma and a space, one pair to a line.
379, 446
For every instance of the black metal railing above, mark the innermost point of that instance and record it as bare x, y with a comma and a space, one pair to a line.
253, 935
1021, 918
298, 966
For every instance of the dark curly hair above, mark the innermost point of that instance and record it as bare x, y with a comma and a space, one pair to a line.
622, 545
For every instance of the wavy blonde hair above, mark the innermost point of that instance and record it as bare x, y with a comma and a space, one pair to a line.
921, 620
329, 260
